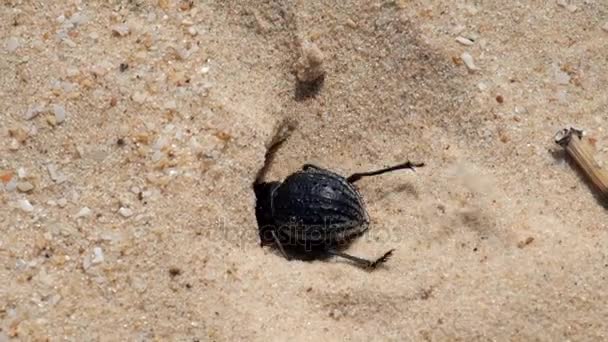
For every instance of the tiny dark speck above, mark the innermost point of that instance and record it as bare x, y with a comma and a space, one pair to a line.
174, 271
120, 142
124, 67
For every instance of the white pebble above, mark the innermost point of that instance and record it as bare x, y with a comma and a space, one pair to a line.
125, 212
59, 112
11, 185
25, 205
14, 145
55, 174
192, 31
97, 256
121, 30
21, 172
464, 41
12, 44
468, 61
85, 211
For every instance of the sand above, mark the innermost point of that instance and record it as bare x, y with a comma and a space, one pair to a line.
132, 130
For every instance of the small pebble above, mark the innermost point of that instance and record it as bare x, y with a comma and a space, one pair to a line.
468, 61
192, 31
59, 112
120, 30
97, 256
125, 212
139, 97
464, 41
11, 185
55, 174
85, 211
12, 44
25, 186
62, 202
25, 205
21, 172
605, 27
14, 145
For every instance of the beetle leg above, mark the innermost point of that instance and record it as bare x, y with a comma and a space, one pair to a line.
311, 166
407, 165
361, 261
278, 242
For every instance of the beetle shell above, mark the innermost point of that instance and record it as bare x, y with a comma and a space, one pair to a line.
318, 206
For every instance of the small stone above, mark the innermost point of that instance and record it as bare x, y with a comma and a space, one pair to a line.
55, 174
468, 61
14, 145
11, 185
12, 44
97, 256
21, 172
59, 112
69, 42
62, 202
98, 155
125, 212
309, 67
84, 212
192, 31
25, 186
464, 41
25, 205
605, 27
139, 97
120, 30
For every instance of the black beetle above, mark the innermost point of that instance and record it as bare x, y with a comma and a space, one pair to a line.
314, 210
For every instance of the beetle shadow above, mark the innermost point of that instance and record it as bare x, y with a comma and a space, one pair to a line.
600, 198
306, 90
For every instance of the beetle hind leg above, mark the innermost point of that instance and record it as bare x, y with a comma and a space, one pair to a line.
369, 264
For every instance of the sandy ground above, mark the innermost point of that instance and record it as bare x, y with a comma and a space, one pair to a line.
126, 209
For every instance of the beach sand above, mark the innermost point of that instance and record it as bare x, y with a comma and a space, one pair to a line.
132, 132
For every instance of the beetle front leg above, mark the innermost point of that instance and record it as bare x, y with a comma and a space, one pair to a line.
280, 246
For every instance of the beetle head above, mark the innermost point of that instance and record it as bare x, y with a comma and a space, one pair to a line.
263, 210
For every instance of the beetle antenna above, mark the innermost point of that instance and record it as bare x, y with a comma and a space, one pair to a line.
407, 165
361, 261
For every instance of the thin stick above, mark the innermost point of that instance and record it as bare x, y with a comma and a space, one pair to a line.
571, 139
407, 165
